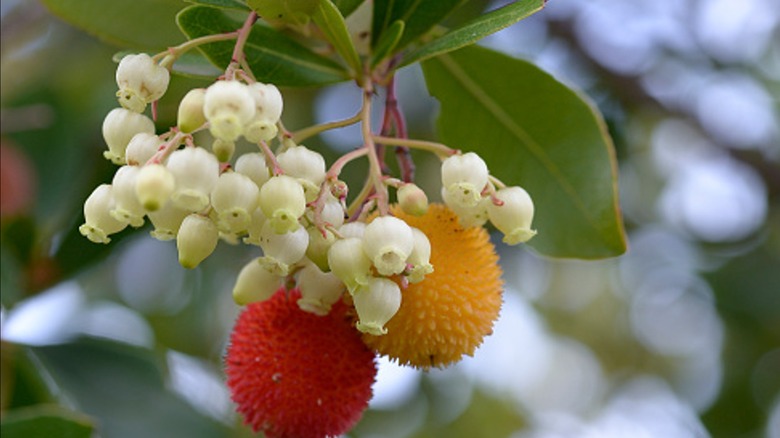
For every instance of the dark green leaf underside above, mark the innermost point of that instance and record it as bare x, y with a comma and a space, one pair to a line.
534, 131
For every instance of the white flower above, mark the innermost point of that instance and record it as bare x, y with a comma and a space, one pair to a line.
141, 148
196, 240
154, 186
464, 177
282, 251
190, 115
223, 149
319, 290
254, 231
474, 216
353, 229
376, 304
99, 223
268, 109
234, 198
127, 208
119, 127
228, 106
514, 217
253, 165
420, 257
412, 199
167, 221
196, 171
140, 81
255, 283
349, 263
388, 241
283, 202
306, 165
319, 244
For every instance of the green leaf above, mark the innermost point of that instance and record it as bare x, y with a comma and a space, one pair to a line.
534, 131
475, 30
419, 16
387, 42
331, 23
45, 421
138, 24
272, 56
347, 6
227, 4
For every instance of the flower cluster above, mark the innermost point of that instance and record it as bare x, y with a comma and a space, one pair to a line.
419, 283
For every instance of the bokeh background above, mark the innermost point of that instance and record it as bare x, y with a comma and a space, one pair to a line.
680, 337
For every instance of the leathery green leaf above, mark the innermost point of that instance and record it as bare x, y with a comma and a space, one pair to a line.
330, 21
535, 132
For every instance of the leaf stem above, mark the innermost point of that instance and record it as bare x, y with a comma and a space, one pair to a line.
311, 131
442, 151
169, 57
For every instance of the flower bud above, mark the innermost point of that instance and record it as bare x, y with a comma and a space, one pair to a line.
319, 290
475, 216
283, 202
127, 209
99, 223
190, 116
319, 244
388, 241
376, 304
255, 283
349, 263
412, 199
140, 81
353, 229
253, 165
234, 198
420, 258
464, 177
141, 148
196, 171
514, 217
306, 165
167, 221
282, 251
228, 106
223, 149
154, 186
196, 240
332, 212
119, 127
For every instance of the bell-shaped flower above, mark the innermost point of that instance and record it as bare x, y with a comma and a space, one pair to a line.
319, 244
463, 177
234, 198
223, 149
353, 229
474, 216
282, 251
268, 109
167, 221
420, 258
349, 263
412, 199
283, 202
254, 166
190, 115
255, 229
228, 106
98, 222
127, 208
376, 304
140, 81
255, 283
154, 186
196, 171
306, 165
197, 239
319, 290
387, 242
141, 148
119, 127
514, 216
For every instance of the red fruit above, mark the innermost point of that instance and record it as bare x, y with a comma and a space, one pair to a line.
294, 374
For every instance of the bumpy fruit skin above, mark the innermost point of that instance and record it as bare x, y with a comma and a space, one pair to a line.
295, 374
446, 315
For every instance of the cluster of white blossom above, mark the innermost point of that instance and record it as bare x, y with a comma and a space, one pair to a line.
287, 205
